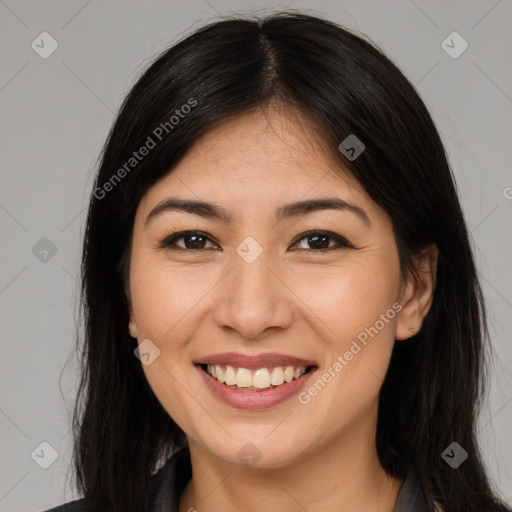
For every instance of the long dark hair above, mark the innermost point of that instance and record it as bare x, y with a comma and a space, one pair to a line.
343, 85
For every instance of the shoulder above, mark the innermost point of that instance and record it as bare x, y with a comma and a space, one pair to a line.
165, 486
80, 505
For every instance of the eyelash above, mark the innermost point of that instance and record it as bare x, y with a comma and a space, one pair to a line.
169, 241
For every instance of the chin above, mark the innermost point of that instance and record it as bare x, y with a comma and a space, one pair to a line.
258, 451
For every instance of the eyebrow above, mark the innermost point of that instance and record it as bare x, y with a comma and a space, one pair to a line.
216, 212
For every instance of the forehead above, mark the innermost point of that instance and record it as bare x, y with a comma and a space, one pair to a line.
274, 143
256, 159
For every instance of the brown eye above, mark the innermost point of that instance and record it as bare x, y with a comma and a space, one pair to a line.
319, 241
192, 241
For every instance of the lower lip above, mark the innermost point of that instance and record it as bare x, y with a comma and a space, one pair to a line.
254, 399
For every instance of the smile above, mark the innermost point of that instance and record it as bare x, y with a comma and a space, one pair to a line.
259, 379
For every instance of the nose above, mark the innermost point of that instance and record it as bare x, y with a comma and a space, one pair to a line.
254, 299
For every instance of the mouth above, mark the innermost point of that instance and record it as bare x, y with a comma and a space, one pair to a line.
258, 379
254, 382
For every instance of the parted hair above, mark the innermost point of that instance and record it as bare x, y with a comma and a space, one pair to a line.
343, 84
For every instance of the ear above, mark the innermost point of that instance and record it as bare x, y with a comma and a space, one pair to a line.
417, 293
132, 325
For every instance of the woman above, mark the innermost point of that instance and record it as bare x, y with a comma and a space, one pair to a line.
281, 304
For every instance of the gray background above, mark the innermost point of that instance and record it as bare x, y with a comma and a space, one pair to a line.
56, 113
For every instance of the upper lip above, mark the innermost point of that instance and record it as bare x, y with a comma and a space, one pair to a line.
254, 362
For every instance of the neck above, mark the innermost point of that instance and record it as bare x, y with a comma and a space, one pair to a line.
344, 475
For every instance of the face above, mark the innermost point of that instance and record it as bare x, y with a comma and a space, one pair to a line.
253, 293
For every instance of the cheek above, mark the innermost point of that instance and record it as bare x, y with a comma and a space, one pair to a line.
344, 301
352, 308
165, 297
165, 301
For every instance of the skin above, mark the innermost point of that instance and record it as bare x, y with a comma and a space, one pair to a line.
318, 456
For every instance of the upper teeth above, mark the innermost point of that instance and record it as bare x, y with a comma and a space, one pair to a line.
260, 378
